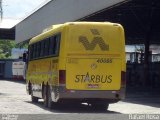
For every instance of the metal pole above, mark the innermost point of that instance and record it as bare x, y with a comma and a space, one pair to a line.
147, 44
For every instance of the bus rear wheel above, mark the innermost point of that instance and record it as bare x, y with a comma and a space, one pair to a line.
45, 97
33, 98
49, 98
100, 106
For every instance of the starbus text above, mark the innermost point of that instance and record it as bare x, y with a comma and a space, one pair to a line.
89, 78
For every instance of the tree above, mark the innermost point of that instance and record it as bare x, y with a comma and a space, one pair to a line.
6, 48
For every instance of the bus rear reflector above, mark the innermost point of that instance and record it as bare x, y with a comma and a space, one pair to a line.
123, 78
62, 76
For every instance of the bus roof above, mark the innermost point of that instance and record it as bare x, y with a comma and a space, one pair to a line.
45, 33
50, 30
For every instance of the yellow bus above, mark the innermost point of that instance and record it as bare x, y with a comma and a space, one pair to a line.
78, 62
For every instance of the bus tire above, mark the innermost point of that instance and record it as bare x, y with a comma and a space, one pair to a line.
50, 103
33, 98
29, 88
45, 97
100, 106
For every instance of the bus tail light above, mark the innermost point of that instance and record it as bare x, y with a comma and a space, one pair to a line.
123, 78
62, 76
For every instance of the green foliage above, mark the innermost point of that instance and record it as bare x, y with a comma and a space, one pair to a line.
23, 44
6, 48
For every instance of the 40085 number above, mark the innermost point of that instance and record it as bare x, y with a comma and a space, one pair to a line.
104, 60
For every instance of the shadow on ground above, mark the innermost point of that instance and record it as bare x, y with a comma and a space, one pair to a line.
73, 108
144, 98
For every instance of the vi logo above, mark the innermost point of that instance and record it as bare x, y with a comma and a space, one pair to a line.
97, 40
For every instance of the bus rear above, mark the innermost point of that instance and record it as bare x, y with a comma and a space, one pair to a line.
95, 62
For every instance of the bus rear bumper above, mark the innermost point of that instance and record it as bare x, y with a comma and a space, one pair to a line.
111, 96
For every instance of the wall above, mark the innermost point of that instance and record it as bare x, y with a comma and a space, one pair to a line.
7, 74
8, 69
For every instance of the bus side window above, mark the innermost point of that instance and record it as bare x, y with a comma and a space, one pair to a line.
38, 49
31, 52
42, 49
57, 44
34, 50
51, 47
54, 45
48, 44
46, 48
